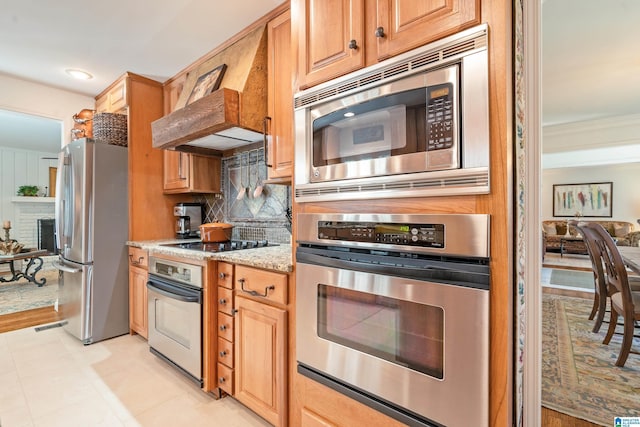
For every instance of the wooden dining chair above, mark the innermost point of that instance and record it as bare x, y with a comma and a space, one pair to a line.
624, 302
601, 293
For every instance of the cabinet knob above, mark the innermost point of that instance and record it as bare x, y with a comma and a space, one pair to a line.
353, 44
223, 275
380, 32
223, 327
223, 353
221, 380
223, 301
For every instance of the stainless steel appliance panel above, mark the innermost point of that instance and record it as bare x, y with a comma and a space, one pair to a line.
92, 230
393, 311
459, 62
74, 298
175, 324
466, 234
459, 398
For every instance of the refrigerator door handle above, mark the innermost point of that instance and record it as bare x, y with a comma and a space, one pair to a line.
65, 268
63, 160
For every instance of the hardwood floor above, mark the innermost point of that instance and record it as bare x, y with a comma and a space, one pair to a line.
25, 319
552, 418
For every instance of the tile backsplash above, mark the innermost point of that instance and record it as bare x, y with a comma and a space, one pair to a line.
254, 218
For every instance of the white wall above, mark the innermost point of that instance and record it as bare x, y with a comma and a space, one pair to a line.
21, 167
626, 193
33, 98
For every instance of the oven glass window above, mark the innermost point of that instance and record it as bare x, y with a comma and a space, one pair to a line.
402, 332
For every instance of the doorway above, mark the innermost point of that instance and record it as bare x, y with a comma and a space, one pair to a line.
28, 154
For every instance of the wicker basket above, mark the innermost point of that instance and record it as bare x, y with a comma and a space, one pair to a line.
110, 128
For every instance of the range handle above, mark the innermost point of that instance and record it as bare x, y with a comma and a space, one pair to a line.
175, 292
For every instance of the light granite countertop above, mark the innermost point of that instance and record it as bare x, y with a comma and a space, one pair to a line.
277, 258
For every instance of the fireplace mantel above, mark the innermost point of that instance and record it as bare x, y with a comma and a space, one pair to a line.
21, 199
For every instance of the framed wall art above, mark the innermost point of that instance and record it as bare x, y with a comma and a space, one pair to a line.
200, 83
206, 83
583, 200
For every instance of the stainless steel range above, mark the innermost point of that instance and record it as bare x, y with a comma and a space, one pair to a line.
175, 305
393, 311
174, 298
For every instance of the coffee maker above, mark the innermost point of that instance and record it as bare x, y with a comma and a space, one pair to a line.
188, 219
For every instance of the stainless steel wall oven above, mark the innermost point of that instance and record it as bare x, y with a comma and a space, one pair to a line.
174, 297
414, 125
393, 310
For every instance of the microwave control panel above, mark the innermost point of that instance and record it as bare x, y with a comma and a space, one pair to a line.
423, 235
440, 117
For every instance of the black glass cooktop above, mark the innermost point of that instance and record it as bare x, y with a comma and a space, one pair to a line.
230, 245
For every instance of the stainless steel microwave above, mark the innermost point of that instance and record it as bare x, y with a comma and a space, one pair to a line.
413, 125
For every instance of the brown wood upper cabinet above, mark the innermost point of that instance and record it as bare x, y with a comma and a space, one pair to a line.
333, 36
114, 99
279, 155
185, 172
141, 99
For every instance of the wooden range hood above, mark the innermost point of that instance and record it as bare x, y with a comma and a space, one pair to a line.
229, 117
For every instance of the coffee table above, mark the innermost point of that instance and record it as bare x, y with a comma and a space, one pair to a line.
30, 270
565, 239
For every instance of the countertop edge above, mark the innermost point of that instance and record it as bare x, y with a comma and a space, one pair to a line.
276, 258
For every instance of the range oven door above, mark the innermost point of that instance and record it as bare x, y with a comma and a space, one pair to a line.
414, 349
175, 325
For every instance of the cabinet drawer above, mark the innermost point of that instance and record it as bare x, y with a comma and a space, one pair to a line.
225, 379
311, 419
225, 300
138, 258
225, 275
263, 284
225, 326
225, 352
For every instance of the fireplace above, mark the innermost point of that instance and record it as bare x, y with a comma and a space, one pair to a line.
46, 235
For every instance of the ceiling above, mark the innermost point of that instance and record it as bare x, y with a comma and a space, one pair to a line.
590, 60
590, 66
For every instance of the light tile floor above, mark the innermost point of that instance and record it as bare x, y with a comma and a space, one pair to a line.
49, 378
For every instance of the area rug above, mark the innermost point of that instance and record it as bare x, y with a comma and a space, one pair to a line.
22, 295
567, 261
579, 376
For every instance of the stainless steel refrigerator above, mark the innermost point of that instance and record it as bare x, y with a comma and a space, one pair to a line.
91, 232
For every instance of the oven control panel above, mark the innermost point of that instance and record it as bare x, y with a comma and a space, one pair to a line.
423, 235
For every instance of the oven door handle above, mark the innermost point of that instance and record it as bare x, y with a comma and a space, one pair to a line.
174, 292
433, 273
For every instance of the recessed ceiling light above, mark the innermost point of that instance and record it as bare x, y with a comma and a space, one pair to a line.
78, 74
349, 114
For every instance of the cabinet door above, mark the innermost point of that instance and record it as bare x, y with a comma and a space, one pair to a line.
115, 100
261, 359
280, 96
404, 25
176, 171
138, 321
331, 39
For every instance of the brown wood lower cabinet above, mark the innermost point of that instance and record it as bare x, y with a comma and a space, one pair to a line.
261, 359
138, 274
